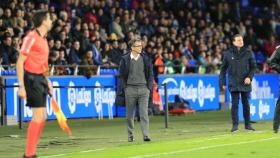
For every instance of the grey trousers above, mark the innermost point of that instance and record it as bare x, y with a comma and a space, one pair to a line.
137, 95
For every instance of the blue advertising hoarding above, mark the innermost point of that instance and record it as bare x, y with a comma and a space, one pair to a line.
74, 102
202, 91
260, 109
262, 98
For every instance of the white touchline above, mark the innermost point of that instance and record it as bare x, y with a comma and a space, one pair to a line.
216, 137
203, 148
53, 155
86, 151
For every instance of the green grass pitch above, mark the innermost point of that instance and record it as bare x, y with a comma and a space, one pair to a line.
199, 135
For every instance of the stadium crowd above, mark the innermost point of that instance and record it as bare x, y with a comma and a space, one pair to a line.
181, 36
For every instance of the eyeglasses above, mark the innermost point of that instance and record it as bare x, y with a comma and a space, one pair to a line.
137, 46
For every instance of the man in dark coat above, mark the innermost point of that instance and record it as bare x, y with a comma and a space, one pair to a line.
274, 63
115, 54
240, 64
9, 53
135, 83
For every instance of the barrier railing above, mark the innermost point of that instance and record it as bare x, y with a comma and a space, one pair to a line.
10, 70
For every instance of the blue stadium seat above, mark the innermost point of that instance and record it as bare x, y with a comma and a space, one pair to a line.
4, 72
192, 62
255, 10
108, 71
278, 30
8, 72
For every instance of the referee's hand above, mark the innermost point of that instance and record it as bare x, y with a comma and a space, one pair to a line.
247, 81
222, 88
22, 92
50, 87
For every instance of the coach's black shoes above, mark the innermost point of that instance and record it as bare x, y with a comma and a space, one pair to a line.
250, 128
275, 130
146, 139
130, 139
33, 156
234, 128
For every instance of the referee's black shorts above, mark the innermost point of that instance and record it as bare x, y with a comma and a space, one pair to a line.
36, 87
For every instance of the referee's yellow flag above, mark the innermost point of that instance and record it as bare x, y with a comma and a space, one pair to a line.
61, 119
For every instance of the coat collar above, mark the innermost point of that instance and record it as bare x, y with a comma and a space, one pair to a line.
241, 51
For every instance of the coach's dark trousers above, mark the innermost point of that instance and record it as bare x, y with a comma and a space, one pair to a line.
276, 119
234, 108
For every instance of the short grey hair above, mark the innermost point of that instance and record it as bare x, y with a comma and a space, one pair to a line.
135, 39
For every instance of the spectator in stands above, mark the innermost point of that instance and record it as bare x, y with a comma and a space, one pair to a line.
74, 54
61, 61
260, 58
217, 61
105, 54
159, 61
202, 59
85, 41
100, 33
18, 22
7, 19
160, 23
9, 54
58, 45
178, 62
51, 43
126, 23
103, 19
53, 56
16, 43
87, 61
116, 28
76, 31
96, 48
270, 46
123, 47
262, 30
146, 28
65, 42
169, 64
115, 54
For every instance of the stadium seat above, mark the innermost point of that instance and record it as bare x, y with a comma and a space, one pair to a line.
108, 71
192, 62
278, 30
